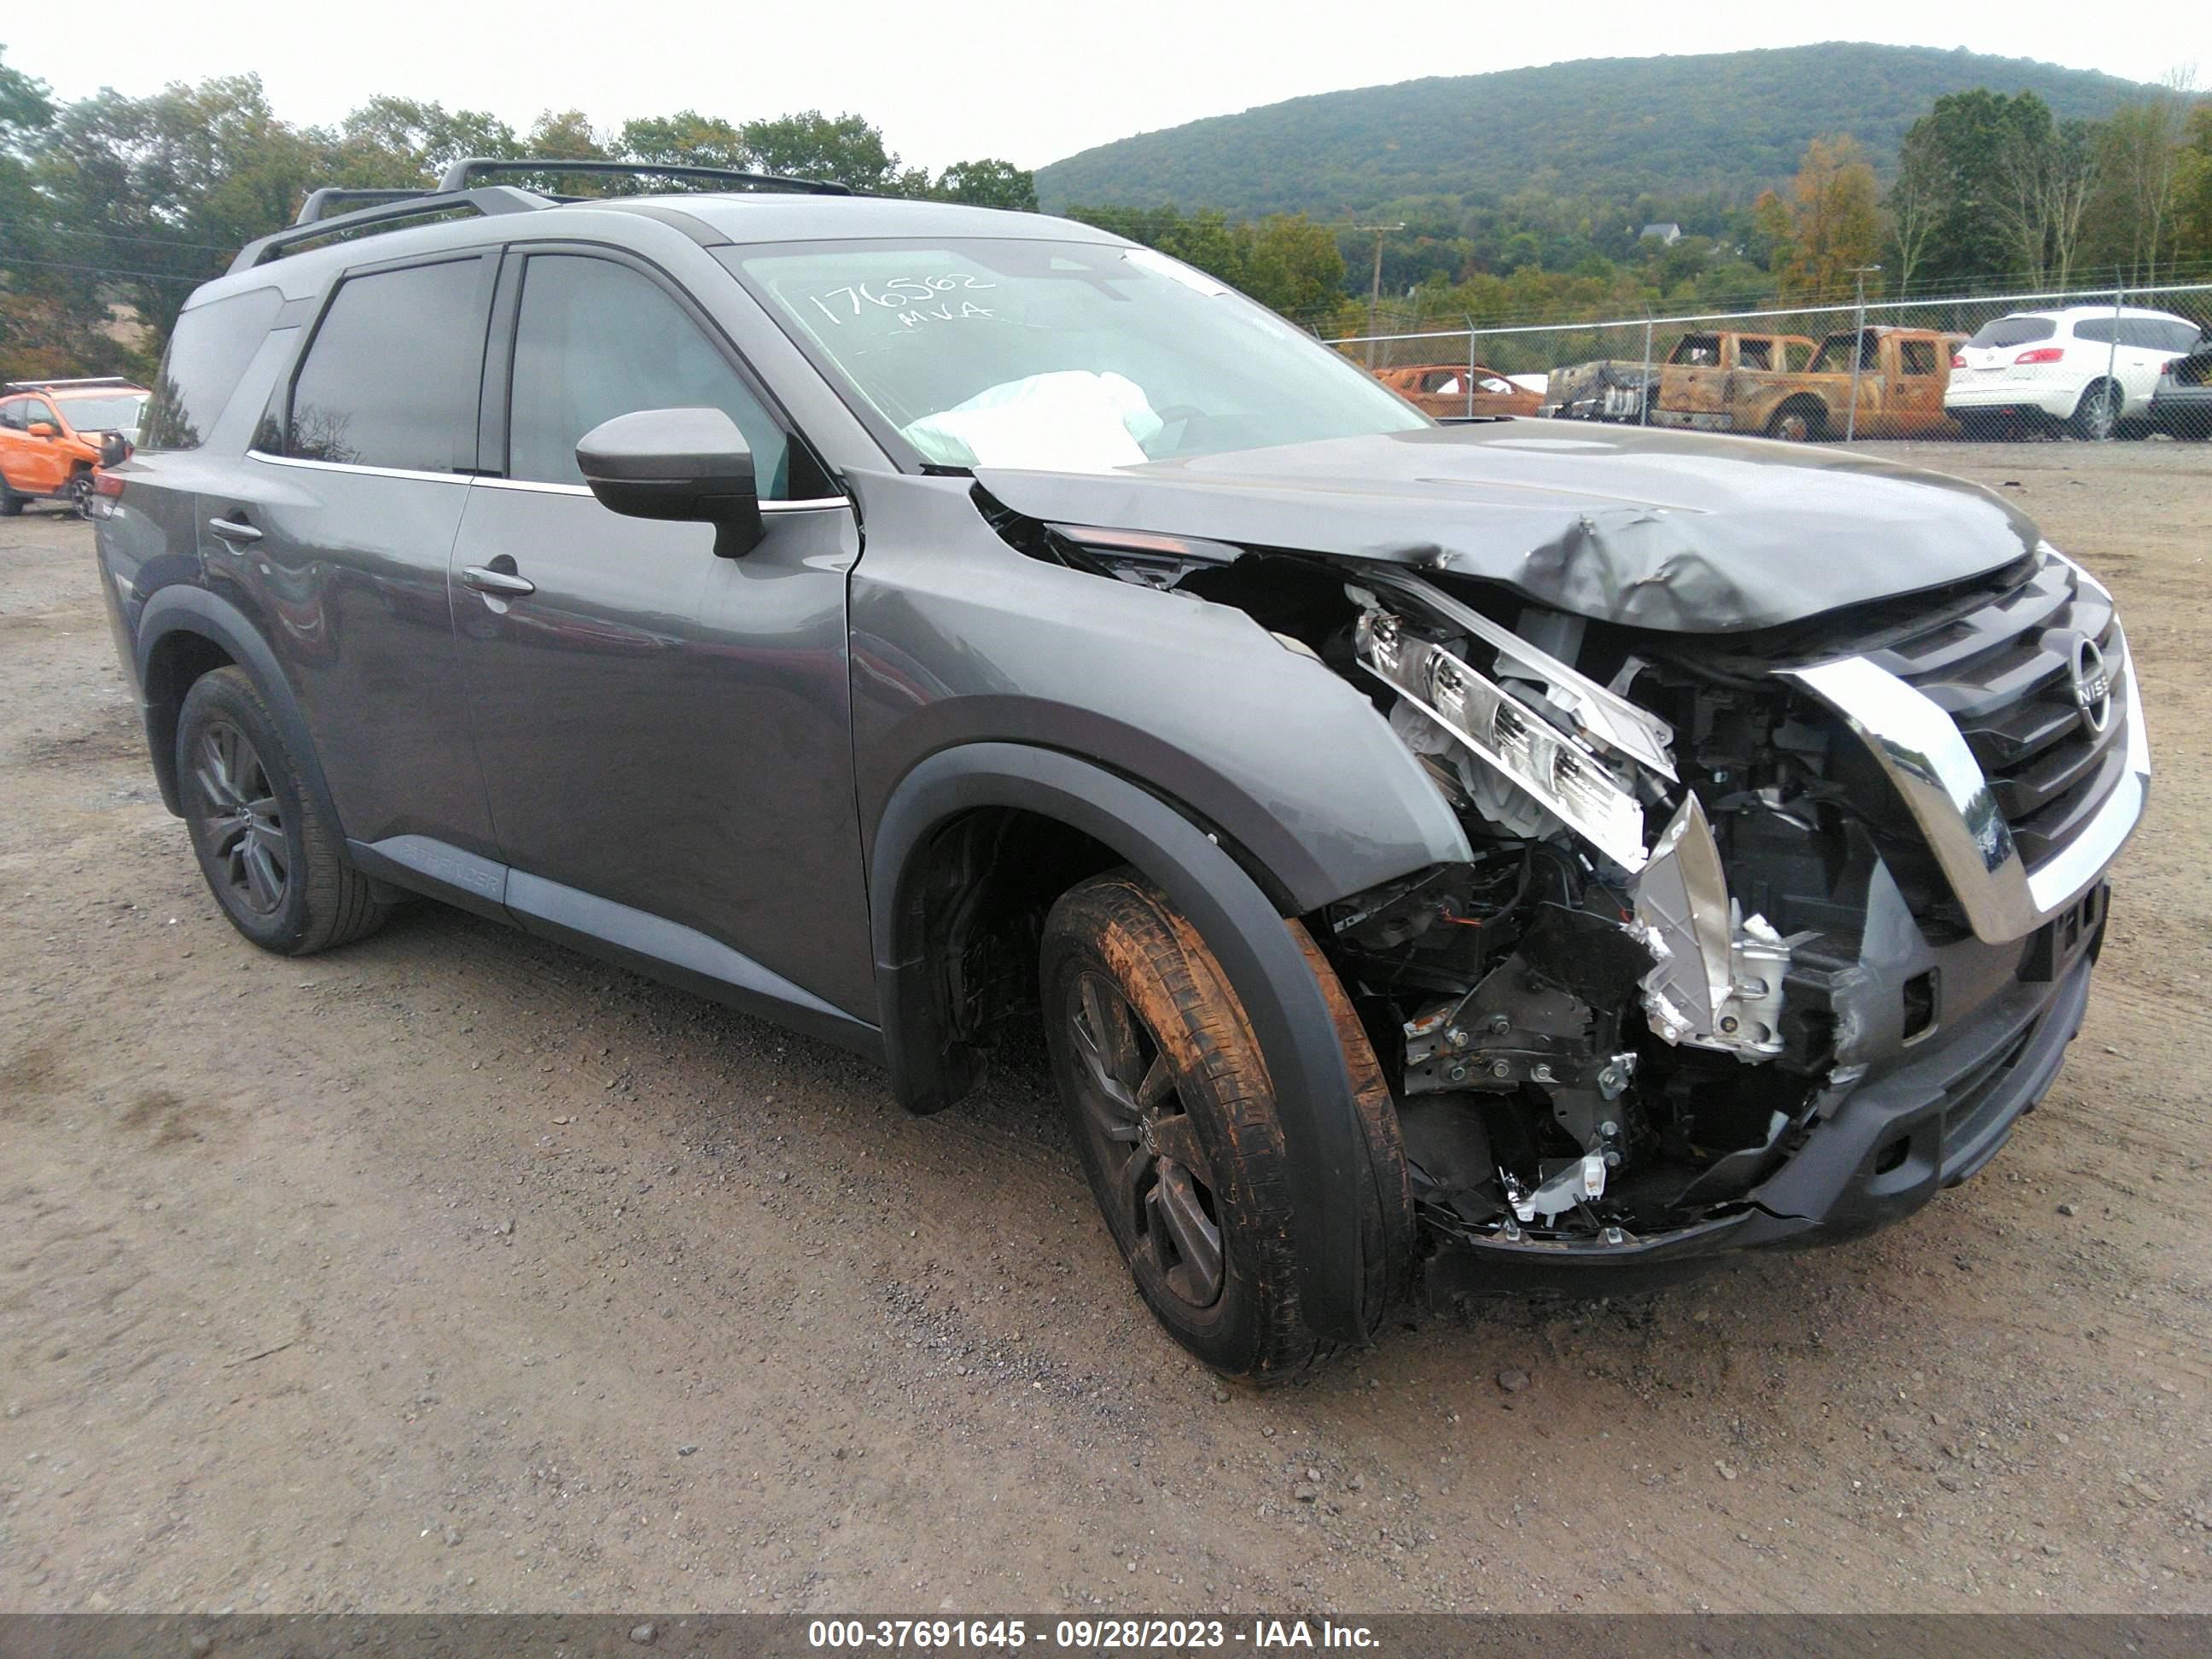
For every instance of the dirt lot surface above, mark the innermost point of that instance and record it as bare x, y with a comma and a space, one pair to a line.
453, 1271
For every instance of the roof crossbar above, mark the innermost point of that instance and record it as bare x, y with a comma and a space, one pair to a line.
332, 199
490, 200
462, 175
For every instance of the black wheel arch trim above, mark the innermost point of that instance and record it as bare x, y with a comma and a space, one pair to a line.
1238, 921
181, 609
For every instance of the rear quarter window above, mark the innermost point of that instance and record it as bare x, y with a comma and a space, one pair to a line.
207, 354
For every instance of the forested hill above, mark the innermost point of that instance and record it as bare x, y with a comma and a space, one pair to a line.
1616, 127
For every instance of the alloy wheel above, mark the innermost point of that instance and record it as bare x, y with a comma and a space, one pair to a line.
1162, 1180
81, 494
245, 825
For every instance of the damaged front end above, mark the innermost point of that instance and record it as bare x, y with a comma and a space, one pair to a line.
1764, 935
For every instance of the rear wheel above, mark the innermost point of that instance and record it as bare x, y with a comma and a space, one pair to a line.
1797, 423
10, 502
2097, 417
1175, 1122
272, 863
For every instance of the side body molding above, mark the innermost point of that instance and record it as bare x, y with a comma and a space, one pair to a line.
1269, 973
181, 608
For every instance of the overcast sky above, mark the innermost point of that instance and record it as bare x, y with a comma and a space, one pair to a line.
951, 80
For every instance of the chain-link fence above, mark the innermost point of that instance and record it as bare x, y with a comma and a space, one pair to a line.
2094, 366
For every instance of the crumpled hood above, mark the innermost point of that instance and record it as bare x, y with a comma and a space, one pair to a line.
1672, 531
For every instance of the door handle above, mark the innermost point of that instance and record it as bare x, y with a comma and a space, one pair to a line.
232, 529
505, 584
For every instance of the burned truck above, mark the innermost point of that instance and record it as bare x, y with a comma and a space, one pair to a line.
1894, 390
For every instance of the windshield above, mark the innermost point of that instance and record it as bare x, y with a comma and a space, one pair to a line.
1070, 356
104, 414
2013, 331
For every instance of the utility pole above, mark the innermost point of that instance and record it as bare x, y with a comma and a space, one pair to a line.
1375, 290
1858, 352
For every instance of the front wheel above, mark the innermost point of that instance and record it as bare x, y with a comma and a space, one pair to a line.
79, 494
1175, 1122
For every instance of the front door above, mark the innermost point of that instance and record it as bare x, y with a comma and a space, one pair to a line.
658, 727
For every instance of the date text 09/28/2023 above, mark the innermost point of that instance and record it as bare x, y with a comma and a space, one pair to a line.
1087, 1635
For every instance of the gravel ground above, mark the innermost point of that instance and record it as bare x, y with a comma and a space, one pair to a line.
456, 1272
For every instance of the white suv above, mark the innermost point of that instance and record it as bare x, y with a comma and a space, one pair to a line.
2091, 367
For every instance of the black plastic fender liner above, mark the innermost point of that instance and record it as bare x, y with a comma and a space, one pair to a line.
1240, 925
188, 610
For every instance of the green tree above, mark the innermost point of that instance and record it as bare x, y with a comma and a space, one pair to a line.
2141, 173
988, 183
845, 149
29, 279
1291, 263
159, 192
1972, 145
686, 138
395, 142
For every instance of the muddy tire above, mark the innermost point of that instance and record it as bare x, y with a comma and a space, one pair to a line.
1174, 1119
273, 864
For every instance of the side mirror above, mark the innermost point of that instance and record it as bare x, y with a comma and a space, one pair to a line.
114, 449
40, 428
689, 464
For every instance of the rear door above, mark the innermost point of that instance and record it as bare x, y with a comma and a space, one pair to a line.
36, 465
666, 735
13, 442
334, 530
1914, 394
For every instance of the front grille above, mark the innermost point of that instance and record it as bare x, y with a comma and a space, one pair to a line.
2004, 672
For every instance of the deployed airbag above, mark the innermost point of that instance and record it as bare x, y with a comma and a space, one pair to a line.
1072, 421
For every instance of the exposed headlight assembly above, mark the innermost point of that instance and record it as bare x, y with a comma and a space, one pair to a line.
1562, 774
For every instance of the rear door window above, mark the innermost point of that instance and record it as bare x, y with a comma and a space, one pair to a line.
1919, 355
1754, 353
207, 355
390, 379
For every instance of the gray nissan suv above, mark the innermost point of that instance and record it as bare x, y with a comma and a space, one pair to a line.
912, 623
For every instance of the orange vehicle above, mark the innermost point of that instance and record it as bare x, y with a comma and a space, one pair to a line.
1445, 389
50, 436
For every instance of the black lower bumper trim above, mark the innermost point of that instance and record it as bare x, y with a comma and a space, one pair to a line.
1881, 1149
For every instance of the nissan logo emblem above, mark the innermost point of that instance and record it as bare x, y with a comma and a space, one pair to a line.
2093, 683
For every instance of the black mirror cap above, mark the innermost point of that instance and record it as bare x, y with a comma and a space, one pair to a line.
692, 466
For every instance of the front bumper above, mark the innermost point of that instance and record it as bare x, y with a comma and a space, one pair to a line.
1877, 1146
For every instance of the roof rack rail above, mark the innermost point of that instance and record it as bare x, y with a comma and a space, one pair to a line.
459, 189
55, 385
462, 175
490, 200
